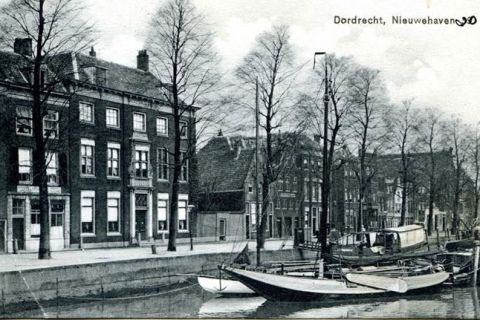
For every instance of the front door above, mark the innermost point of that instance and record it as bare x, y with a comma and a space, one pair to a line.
279, 227
3, 236
140, 223
247, 227
18, 232
222, 227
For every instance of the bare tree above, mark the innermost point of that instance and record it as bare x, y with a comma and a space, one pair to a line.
430, 140
311, 108
181, 46
48, 28
403, 123
270, 64
458, 136
368, 131
475, 168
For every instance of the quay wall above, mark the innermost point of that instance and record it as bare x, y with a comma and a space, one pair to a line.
116, 277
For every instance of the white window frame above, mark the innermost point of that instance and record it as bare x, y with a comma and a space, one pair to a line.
92, 112
183, 198
87, 195
87, 143
28, 164
27, 118
34, 227
52, 167
162, 165
144, 122
159, 133
141, 150
183, 133
110, 160
53, 121
117, 117
116, 196
162, 197
183, 167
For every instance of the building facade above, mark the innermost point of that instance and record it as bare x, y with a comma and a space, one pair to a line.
228, 206
110, 143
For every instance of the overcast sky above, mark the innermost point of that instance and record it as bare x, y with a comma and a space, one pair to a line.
438, 65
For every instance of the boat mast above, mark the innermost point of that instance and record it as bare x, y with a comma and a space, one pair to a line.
258, 217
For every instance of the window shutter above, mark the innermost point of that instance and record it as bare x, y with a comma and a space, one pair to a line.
13, 166
62, 168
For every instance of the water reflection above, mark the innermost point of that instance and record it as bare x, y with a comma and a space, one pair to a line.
230, 307
191, 301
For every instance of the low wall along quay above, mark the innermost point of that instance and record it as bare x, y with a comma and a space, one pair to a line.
114, 278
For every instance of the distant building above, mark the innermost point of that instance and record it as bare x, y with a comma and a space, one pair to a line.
228, 190
109, 170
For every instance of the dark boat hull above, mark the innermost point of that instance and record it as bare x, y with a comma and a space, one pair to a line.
273, 292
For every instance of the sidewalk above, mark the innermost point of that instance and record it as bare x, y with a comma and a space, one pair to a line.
27, 261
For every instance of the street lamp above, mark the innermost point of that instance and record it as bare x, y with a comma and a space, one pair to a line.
325, 173
190, 208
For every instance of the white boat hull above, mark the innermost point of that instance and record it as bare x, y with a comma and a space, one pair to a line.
224, 286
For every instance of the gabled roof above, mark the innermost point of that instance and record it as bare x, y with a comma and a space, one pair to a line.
224, 164
75, 67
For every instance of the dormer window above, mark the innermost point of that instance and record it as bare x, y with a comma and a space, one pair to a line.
101, 76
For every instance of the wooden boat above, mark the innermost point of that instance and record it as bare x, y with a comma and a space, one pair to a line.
386, 245
280, 287
223, 286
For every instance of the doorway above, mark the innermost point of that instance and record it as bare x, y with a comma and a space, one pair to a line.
19, 232
247, 227
279, 227
3, 236
222, 229
140, 223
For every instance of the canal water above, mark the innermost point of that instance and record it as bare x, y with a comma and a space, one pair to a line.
191, 301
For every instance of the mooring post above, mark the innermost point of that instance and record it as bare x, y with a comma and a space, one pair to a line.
281, 269
476, 242
3, 301
438, 238
320, 269
154, 249
15, 246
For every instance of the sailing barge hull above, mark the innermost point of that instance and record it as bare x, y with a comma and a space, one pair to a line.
285, 288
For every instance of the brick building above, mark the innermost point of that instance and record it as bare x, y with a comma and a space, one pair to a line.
382, 202
109, 168
227, 208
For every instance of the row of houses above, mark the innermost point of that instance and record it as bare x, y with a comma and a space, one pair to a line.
110, 168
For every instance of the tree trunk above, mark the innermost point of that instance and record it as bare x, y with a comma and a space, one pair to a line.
404, 199
39, 161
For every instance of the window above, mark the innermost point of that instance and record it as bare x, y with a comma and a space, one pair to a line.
163, 164
87, 157
253, 213
86, 112
139, 122
18, 207
24, 121
57, 208
183, 129
24, 165
113, 159
162, 212
34, 218
162, 126
184, 168
182, 215
50, 125
141, 163
112, 118
52, 168
113, 211
87, 211
101, 76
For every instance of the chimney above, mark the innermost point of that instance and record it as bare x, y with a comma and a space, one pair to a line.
23, 46
92, 53
142, 60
